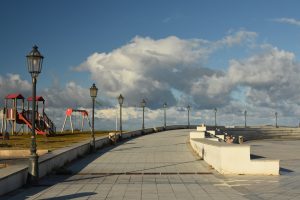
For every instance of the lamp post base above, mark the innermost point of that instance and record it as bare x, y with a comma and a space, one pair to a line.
33, 169
92, 146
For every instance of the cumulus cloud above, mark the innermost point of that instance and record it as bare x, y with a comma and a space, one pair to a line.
271, 79
71, 95
285, 20
154, 69
237, 38
12, 83
173, 70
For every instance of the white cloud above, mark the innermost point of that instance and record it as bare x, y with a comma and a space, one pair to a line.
271, 78
71, 95
154, 69
12, 83
288, 21
172, 70
237, 38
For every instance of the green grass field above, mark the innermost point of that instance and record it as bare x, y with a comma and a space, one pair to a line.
50, 143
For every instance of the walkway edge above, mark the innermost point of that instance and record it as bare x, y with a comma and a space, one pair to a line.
14, 177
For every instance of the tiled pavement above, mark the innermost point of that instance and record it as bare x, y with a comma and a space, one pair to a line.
162, 166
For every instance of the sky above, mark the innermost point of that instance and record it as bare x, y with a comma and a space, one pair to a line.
231, 55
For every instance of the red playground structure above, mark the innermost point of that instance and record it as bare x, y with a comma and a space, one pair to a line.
84, 115
13, 115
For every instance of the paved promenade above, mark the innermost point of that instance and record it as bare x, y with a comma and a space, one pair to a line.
162, 166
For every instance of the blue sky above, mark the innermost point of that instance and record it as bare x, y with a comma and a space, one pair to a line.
69, 32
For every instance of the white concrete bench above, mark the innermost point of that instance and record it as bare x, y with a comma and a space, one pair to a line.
231, 158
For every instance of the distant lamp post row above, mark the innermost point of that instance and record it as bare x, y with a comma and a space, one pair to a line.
121, 101
93, 93
245, 113
215, 117
34, 63
165, 115
188, 110
276, 116
143, 105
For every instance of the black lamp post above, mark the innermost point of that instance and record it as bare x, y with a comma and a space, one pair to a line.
34, 63
165, 115
143, 105
93, 93
121, 100
276, 115
188, 109
245, 113
215, 117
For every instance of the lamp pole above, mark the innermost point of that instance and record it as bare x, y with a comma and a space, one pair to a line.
121, 100
34, 63
276, 115
143, 105
93, 93
188, 109
245, 113
215, 117
165, 115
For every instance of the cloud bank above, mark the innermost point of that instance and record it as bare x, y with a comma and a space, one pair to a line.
175, 71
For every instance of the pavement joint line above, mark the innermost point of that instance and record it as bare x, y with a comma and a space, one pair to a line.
148, 173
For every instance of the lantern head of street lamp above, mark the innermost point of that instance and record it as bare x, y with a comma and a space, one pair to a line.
188, 107
34, 62
143, 103
215, 110
93, 91
245, 112
165, 105
276, 113
121, 99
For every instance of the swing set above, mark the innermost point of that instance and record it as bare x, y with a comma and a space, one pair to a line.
84, 116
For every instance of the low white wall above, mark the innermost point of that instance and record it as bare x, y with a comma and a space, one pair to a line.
197, 134
233, 158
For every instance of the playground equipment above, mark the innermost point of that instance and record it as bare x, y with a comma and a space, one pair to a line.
13, 115
84, 116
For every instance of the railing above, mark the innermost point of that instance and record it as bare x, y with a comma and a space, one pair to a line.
28, 115
49, 123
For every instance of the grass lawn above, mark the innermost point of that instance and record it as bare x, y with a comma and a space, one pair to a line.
50, 143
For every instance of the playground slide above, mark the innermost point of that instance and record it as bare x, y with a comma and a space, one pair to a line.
26, 121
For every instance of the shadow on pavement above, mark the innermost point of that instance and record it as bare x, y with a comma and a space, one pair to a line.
72, 196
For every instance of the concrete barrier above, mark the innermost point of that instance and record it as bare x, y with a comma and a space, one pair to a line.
18, 153
12, 178
232, 158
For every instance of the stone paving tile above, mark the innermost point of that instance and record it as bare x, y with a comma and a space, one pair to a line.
156, 153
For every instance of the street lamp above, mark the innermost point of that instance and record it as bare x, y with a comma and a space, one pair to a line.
245, 113
34, 63
165, 115
143, 105
215, 117
93, 93
276, 115
121, 100
188, 109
